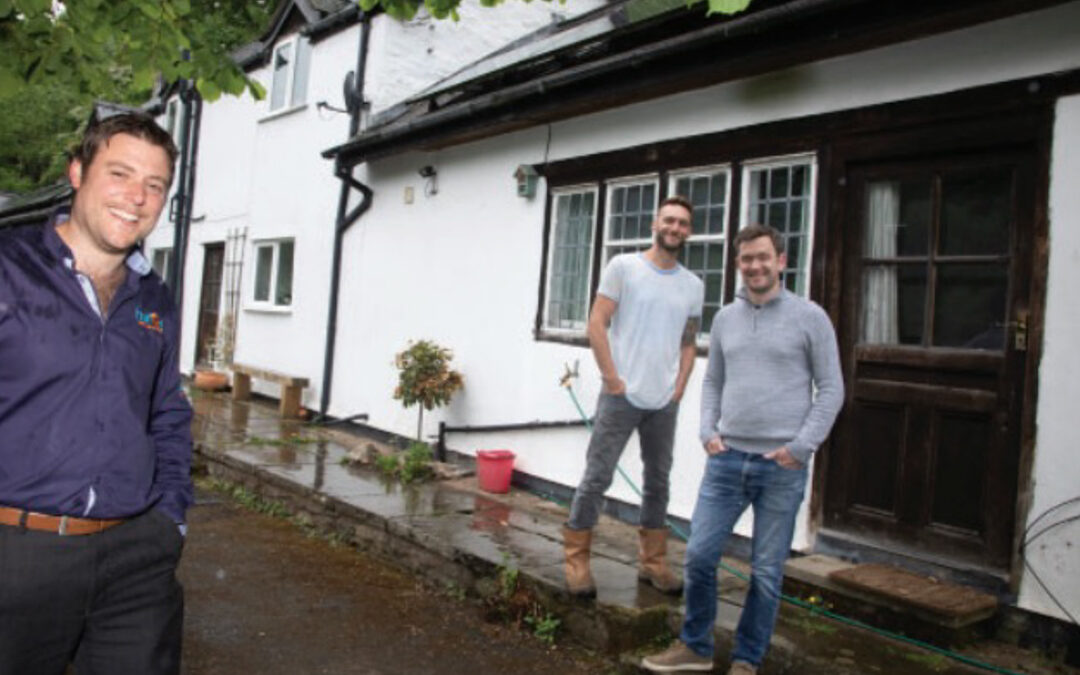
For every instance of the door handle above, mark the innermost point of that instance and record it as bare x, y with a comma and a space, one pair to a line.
1020, 331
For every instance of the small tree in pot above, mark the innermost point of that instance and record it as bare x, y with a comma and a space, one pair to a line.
425, 377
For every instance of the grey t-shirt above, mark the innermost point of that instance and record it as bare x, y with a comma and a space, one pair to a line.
646, 331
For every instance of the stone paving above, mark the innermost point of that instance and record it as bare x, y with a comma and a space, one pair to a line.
453, 533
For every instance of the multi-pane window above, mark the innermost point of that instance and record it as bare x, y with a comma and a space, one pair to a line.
707, 190
780, 193
777, 191
936, 255
570, 265
630, 212
273, 273
288, 87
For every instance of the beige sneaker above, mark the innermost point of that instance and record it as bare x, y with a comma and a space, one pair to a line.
676, 658
741, 668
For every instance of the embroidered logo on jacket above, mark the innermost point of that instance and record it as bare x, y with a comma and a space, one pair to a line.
149, 320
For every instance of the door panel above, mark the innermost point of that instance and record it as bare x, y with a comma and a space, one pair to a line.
209, 302
934, 288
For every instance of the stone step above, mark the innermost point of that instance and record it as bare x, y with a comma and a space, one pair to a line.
889, 597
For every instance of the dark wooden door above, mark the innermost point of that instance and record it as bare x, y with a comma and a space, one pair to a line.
209, 302
933, 326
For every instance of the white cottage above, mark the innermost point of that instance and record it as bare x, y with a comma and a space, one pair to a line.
919, 157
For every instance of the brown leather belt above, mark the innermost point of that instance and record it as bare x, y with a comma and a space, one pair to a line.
56, 524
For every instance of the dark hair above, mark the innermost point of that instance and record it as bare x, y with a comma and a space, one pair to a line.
139, 125
677, 200
756, 231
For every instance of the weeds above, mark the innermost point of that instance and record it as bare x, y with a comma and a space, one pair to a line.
544, 626
516, 605
248, 499
277, 442
412, 465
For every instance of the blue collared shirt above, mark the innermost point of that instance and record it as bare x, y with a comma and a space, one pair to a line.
93, 421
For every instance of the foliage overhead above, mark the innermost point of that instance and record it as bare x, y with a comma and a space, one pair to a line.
57, 57
56, 60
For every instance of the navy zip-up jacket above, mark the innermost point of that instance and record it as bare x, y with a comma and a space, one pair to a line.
93, 422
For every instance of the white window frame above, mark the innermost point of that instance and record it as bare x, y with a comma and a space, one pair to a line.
167, 252
173, 115
546, 324
757, 164
711, 238
268, 305
294, 44
623, 182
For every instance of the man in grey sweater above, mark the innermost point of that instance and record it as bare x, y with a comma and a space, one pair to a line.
772, 391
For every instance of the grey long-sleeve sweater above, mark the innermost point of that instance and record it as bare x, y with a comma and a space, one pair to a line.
764, 363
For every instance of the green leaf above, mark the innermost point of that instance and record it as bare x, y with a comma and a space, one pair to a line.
727, 6
6, 8
143, 77
209, 90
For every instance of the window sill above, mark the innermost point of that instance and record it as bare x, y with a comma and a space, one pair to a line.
268, 309
567, 338
284, 112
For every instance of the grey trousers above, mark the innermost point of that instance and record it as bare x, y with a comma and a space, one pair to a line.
616, 419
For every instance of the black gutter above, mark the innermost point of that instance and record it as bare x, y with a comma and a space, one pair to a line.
444, 428
345, 217
399, 135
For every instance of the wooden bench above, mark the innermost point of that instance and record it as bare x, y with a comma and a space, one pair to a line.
291, 387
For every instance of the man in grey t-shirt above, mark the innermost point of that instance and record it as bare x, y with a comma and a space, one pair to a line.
642, 330
760, 422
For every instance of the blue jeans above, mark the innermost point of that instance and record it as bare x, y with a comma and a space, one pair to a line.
734, 480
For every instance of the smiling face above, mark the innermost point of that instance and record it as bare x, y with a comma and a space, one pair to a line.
119, 194
672, 227
760, 267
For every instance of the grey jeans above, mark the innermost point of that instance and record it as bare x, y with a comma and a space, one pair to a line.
616, 419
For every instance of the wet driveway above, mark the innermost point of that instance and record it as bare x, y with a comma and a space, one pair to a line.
263, 597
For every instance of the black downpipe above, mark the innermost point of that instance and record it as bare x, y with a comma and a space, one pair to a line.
344, 220
185, 195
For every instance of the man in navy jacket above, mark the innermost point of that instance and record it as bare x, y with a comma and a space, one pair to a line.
95, 437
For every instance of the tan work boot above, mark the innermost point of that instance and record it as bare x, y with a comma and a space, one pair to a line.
576, 545
676, 659
654, 567
741, 668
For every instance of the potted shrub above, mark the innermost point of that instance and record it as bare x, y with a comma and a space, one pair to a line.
425, 377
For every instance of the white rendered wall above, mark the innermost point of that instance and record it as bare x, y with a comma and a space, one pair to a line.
462, 266
1055, 556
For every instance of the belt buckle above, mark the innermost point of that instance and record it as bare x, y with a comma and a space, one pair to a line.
63, 530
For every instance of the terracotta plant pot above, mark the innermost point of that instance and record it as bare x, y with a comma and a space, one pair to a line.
210, 380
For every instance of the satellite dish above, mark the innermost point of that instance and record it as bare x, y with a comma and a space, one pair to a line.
354, 99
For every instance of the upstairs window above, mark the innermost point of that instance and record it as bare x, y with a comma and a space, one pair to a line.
162, 261
290, 64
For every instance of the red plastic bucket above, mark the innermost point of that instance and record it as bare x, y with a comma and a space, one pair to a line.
493, 469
